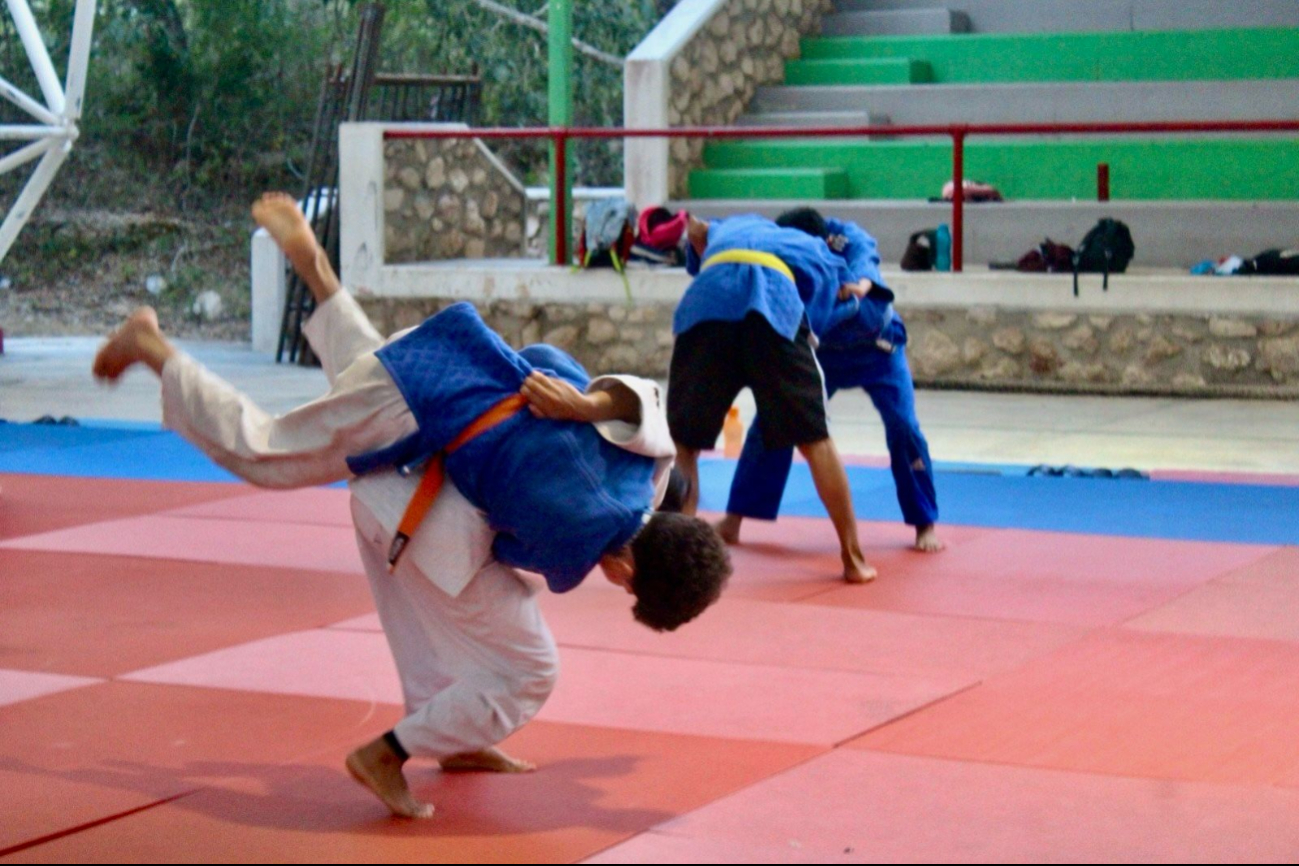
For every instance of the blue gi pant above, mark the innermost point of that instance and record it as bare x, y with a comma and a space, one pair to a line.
761, 475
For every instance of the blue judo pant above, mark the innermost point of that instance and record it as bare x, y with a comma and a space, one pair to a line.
761, 475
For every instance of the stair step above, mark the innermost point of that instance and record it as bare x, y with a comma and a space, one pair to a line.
1044, 102
895, 22
889, 70
799, 183
1150, 169
809, 119
1062, 16
1144, 56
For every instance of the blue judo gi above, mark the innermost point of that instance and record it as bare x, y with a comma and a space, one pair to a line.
865, 352
558, 495
729, 292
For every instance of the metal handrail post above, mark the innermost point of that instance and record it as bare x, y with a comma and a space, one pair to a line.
560, 198
958, 198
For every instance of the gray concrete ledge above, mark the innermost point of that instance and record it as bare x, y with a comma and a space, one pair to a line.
1140, 291
1167, 234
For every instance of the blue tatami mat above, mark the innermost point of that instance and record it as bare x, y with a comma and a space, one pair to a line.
974, 496
21, 437
1177, 510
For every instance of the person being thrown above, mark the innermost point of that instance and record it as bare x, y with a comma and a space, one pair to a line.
760, 292
546, 470
867, 351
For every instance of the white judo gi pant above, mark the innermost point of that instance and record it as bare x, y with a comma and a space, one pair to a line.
475, 657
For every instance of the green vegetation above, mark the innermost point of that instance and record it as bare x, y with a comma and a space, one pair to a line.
215, 99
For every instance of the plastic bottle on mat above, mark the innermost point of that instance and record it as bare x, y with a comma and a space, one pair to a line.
732, 433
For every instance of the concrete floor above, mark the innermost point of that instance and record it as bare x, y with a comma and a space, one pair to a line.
50, 376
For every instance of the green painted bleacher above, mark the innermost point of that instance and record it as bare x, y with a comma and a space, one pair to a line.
1053, 169
1125, 56
748, 182
874, 70
1165, 168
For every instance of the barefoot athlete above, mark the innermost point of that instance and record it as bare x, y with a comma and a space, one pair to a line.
759, 295
867, 351
546, 470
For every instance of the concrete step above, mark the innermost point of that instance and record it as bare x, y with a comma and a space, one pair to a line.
819, 183
1166, 234
895, 22
1206, 55
875, 70
1063, 16
809, 119
1043, 102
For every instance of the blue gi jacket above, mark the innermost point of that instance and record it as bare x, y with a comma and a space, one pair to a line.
558, 495
875, 319
730, 292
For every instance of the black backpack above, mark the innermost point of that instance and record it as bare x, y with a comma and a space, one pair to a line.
1106, 249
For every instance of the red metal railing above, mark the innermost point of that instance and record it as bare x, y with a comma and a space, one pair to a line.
957, 132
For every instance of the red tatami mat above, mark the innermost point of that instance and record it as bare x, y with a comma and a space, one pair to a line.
325, 506
40, 503
91, 753
806, 635
1083, 580
1126, 703
195, 539
1276, 569
798, 557
742, 701
17, 686
1230, 610
848, 807
594, 788
77, 613
605, 689
322, 663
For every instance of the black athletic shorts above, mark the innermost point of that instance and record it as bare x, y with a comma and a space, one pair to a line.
713, 361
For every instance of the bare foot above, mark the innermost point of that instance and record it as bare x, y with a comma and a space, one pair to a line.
138, 340
378, 768
927, 540
279, 214
729, 528
858, 570
491, 759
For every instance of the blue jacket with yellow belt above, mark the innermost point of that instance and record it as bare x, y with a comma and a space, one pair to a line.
558, 495
729, 292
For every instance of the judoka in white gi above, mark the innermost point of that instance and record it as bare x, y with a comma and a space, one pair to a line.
475, 657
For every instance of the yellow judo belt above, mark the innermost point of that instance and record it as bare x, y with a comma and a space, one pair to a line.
431, 484
748, 257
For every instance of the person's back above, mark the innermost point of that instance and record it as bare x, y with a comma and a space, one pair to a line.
536, 479
728, 290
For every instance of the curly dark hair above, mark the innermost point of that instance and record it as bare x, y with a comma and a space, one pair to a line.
681, 566
806, 219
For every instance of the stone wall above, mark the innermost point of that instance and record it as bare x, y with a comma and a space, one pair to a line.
449, 199
983, 347
1140, 353
716, 73
604, 338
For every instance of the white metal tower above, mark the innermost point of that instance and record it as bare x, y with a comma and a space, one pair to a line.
49, 138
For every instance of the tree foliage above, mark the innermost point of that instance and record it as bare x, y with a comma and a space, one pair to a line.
218, 96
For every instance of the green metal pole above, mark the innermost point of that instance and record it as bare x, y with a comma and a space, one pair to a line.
559, 18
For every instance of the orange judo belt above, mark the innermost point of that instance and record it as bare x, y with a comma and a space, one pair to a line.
431, 484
